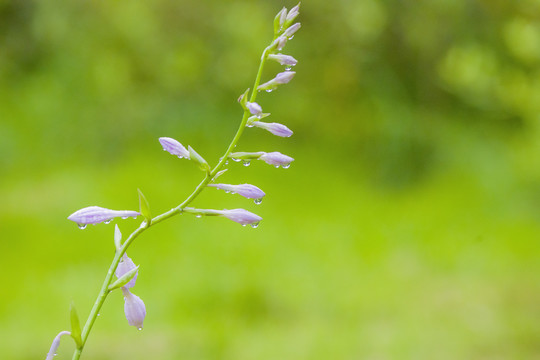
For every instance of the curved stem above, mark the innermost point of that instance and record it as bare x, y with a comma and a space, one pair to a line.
104, 292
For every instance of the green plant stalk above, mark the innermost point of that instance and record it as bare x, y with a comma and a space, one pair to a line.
175, 211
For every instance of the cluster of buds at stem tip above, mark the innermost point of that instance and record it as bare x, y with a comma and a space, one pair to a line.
95, 215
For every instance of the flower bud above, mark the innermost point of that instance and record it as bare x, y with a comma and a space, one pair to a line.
96, 215
277, 159
289, 33
293, 13
242, 217
254, 108
280, 79
124, 267
134, 309
283, 59
174, 147
246, 190
280, 19
55, 344
275, 128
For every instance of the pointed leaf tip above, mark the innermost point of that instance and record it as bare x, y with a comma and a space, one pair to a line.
144, 207
75, 326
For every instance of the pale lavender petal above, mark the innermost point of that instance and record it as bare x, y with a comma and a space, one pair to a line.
276, 158
246, 190
290, 31
283, 59
275, 128
293, 13
96, 215
174, 147
282, 16
284, 77
55, 344
124, 267
134, 309
254, 108
242, 216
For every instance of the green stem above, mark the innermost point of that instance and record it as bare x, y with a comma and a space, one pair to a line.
104, 292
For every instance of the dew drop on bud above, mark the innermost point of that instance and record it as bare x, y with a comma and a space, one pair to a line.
81, 226
288, 68
246, 162
269, 90
286, 166
258, 201
107, 221
255, 225
235, 159
198, 216
124, 217
140, 328
227, 162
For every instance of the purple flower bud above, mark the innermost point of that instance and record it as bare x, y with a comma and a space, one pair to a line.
284, 77
134, 309
96, 215
290, 31
274, 128
293, 13
246, 190
280, 79
283, 59
282, 16
254, 108
242, 216
55, 344
277, 159
174, 147
124, 267
280, 42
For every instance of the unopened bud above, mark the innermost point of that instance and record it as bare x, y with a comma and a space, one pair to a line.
283, 59
246, 190
174, 147
254, 108
275, 128
134, 309
97, 214
277, 159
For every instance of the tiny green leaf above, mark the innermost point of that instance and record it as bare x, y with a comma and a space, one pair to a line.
124, 279
144, 207
243, 99
75, 326
193, 155
117, 237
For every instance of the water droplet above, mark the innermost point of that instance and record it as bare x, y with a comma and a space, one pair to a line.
227, 162
250, 125
198, 216
235, 159
279, 48
269, 90
258, 201
107, 221
227, 191
276, 166
290, 37
134, 217
235, 145
246, 162
244, 225
98, 314
81, 226
255, 225
124, 217
139, 328
288, 68
286, 166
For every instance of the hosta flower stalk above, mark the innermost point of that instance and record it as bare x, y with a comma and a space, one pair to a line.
122, 274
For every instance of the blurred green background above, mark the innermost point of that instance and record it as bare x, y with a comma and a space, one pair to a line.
407, 228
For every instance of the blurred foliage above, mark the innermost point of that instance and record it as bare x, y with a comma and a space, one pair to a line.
407, 227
